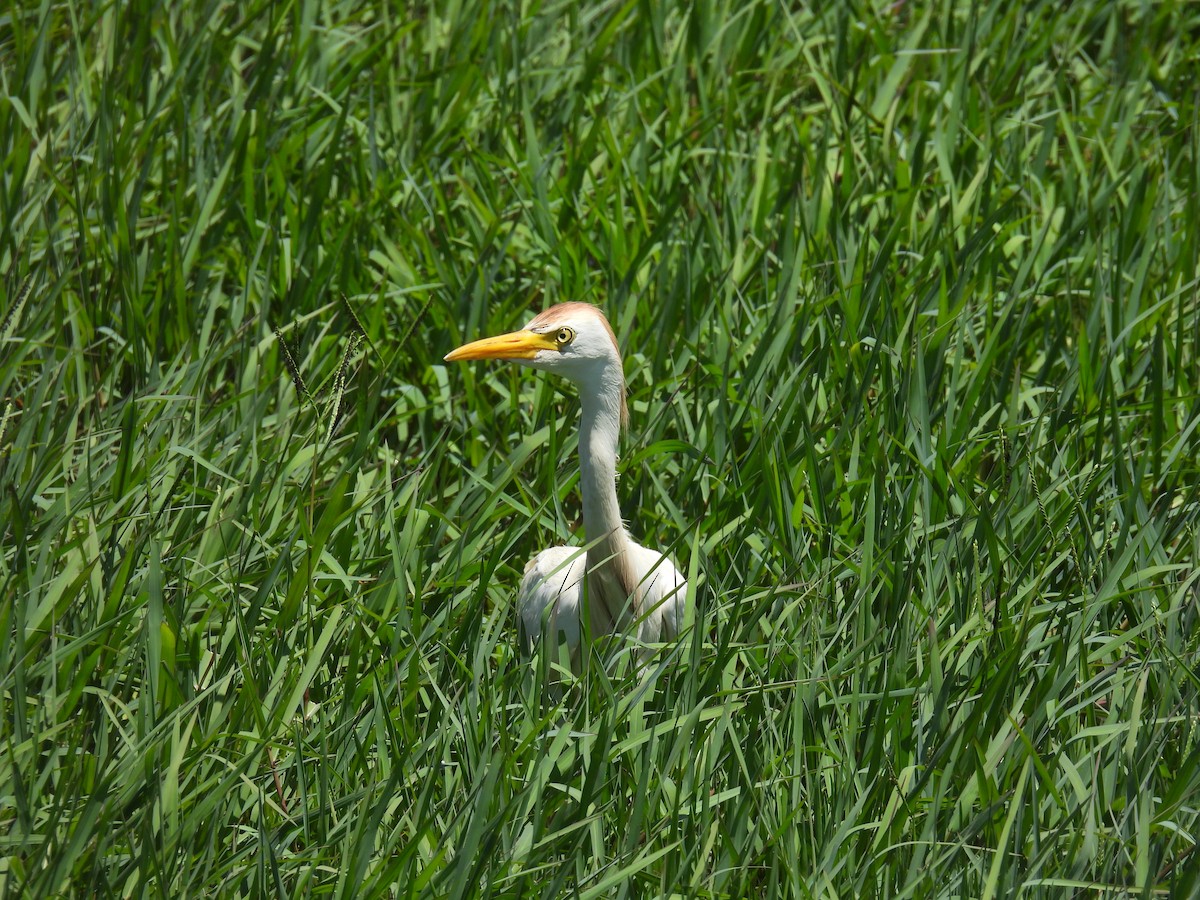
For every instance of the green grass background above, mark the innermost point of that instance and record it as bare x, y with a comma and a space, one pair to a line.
908, 295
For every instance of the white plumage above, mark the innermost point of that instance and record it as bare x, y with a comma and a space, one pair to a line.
551, 596
629, 588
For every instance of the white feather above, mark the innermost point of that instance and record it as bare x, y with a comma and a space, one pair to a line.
551, 596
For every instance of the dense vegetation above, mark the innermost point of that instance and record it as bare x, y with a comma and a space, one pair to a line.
909, 300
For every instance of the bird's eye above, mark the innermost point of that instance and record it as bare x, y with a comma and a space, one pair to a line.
564, 336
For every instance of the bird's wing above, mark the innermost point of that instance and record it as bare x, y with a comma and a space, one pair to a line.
551, 595
664, 595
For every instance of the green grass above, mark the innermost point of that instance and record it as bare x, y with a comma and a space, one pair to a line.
910, 301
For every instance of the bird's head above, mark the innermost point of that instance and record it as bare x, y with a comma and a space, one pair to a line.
571, 339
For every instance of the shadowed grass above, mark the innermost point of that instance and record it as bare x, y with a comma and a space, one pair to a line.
908, 299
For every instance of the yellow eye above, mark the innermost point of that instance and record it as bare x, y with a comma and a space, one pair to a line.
564, 336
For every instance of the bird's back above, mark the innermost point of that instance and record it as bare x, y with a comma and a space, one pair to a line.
551, 596
664, 594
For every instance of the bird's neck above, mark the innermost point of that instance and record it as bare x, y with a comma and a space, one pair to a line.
600, 428
613, 594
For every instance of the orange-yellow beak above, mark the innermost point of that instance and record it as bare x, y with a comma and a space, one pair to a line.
515, 345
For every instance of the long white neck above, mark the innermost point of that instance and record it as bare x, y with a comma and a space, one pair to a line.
610, 581
599, 429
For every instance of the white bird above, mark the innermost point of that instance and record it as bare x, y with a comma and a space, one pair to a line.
630, 588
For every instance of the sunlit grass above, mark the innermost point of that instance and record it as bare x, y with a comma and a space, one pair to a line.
908, 299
